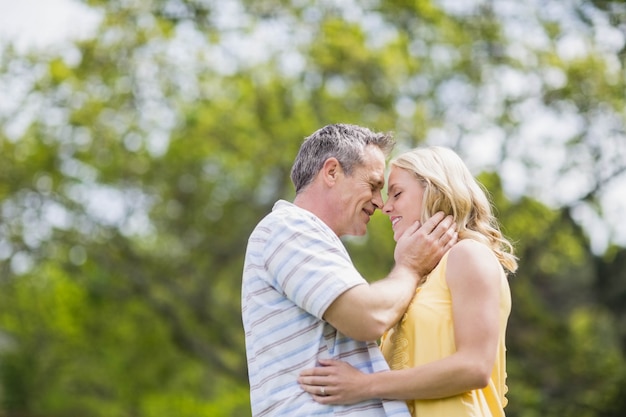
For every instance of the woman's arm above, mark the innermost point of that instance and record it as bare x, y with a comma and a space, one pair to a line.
473, 276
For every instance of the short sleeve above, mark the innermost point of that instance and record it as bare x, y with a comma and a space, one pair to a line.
308, 264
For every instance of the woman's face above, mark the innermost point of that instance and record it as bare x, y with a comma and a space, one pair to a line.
404, 200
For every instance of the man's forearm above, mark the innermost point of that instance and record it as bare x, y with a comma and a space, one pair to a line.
393, 294
365, 312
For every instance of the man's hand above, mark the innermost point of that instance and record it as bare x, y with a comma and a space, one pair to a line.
421, 247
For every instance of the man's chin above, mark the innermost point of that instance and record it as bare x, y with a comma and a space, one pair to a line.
361, 232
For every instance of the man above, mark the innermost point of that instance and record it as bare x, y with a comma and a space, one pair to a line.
303, 299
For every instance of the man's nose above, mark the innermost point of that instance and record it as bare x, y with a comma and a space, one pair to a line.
378, 201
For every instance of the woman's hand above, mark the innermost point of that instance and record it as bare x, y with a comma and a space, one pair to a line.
335, 382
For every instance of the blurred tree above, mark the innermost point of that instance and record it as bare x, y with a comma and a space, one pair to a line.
134, 164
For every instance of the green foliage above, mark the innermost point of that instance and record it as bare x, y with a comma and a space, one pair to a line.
73, 353
373, 254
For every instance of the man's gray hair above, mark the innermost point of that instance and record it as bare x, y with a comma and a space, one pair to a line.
342, 141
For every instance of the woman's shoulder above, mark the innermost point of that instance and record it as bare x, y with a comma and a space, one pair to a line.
470, 247
469, 256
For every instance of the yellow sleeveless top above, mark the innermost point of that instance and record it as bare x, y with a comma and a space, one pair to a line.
426, 334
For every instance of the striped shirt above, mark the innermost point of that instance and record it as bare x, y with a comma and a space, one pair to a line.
295, 267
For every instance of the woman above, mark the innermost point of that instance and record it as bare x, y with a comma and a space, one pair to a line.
447, 354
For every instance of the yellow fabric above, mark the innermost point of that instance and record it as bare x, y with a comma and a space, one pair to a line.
426, 334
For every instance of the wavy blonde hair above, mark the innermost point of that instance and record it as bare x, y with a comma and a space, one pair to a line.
450, 187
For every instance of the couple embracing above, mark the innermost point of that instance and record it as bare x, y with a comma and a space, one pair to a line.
312, 321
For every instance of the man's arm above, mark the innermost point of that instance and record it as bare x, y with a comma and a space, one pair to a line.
366, 311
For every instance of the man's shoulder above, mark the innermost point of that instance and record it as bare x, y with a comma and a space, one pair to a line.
285, 214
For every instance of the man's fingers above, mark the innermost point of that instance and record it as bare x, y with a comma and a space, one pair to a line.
437, 227
445, 229
449, 239
449, 226
412, 229
433, 223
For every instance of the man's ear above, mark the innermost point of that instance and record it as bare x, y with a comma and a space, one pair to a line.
331, 170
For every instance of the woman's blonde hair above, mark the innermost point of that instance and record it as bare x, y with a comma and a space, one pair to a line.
450, 187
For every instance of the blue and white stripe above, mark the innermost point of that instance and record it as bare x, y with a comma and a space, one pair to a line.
295, 267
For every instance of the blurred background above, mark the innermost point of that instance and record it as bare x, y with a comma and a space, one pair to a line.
141, 141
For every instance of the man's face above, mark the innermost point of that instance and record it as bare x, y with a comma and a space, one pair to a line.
359, 194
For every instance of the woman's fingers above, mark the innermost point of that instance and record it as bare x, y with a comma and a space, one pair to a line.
316, 387
322, 370
324, 383
311, 380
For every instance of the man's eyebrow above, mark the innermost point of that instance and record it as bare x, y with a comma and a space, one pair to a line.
378, 181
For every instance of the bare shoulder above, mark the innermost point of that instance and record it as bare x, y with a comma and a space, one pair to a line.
470, 248
472, 260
